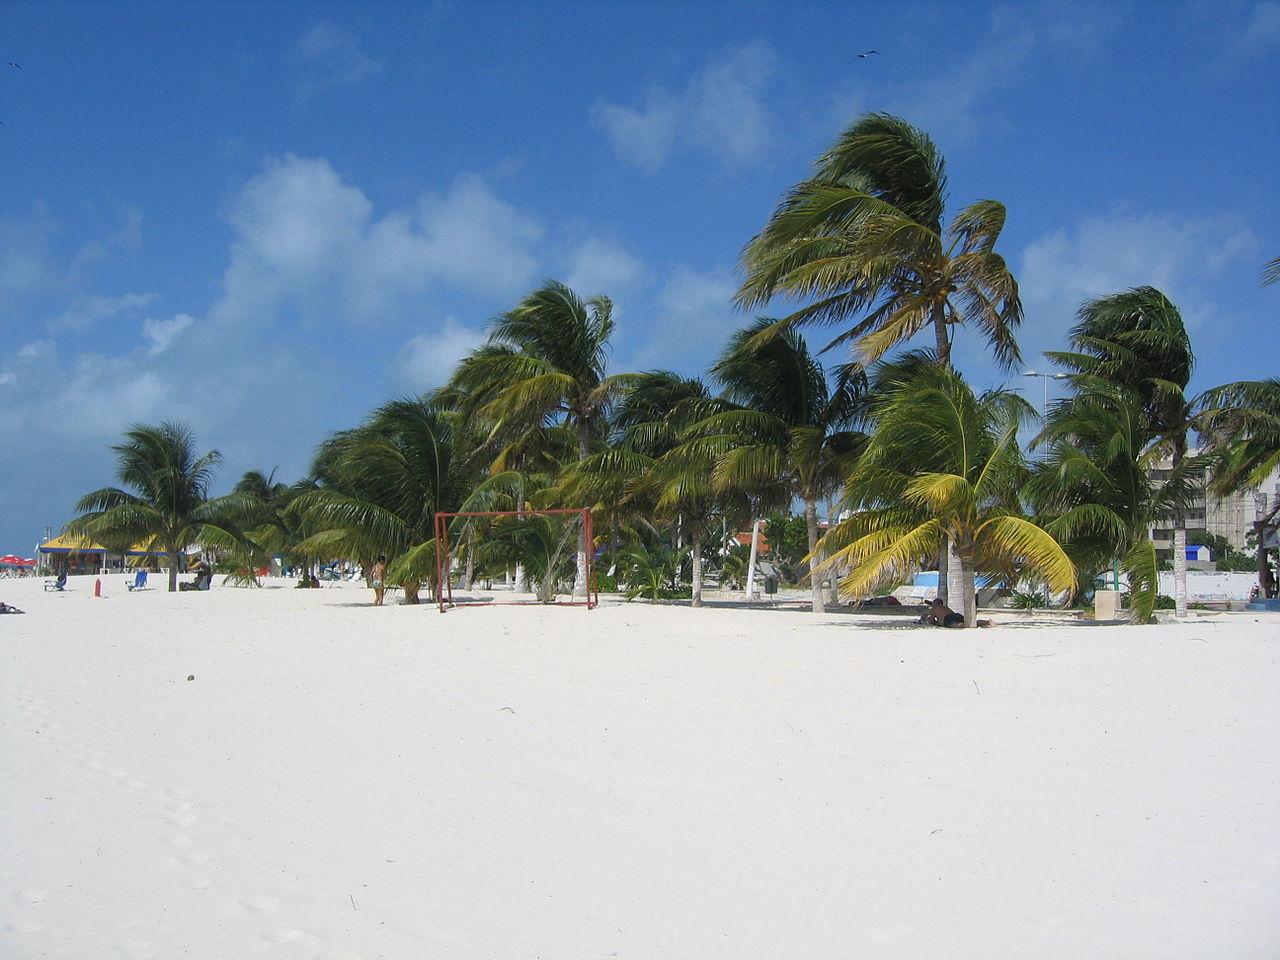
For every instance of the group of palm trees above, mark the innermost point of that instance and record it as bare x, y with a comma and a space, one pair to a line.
926, 471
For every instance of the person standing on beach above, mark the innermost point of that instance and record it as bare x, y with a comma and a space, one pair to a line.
377, 579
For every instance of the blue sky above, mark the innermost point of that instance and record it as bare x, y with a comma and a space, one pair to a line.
264, 219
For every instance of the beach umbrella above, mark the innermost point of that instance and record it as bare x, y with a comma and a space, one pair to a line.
9, 560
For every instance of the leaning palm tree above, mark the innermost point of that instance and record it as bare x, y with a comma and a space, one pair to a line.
943, 462
788, 428
863, 240
1271, 272
167, 504
545, 361
1137, 341
384, 483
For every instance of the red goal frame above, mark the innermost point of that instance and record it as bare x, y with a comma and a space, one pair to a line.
444, 556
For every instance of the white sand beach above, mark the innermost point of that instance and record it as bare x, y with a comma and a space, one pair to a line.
343, 781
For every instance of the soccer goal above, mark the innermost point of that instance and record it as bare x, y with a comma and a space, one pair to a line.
544, 543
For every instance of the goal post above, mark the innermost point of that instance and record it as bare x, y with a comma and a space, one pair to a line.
444, 553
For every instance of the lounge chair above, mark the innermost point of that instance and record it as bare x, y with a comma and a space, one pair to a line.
139, 581
59, 584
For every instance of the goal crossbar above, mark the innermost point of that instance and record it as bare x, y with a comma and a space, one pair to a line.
444, 558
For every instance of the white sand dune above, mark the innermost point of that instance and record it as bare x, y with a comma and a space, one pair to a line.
341, 781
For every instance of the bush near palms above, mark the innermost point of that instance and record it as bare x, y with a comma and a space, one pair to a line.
863, 240
167, 502
942, 463
383, 483
1136, 340
545, 360
789, 433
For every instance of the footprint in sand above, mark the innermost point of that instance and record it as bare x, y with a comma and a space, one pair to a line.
181, 819
260, 904
179, 841
285, 936
134, 949
29, 897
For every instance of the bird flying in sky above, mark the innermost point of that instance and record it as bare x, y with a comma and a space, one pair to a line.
868, 53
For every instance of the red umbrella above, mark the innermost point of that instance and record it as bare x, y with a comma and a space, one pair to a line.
9, 560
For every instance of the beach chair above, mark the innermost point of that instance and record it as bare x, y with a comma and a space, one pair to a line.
59, 584
139, 581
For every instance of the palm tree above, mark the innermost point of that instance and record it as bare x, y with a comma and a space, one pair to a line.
1096, 491
864, 238
788, 428
381, 486
1271, 272
943, 462
1240, 425
1137, 341
545, 361
636, 476
167, 504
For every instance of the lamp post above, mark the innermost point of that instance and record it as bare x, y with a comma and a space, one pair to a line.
1046, 377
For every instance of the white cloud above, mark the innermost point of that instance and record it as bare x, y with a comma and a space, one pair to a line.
951, 102
330, 58
693, 315
1262, 31
426, 361
720, 111
306, 239
1107, 254
160, 334
599, 267
475, 239
86, 311
37, 350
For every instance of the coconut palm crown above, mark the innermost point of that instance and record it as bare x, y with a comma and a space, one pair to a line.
167, 505
942, 462
863, 239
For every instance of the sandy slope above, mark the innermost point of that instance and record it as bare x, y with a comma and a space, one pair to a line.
341, 781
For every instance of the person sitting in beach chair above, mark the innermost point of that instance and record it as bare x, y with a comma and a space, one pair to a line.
59, 584
139, 581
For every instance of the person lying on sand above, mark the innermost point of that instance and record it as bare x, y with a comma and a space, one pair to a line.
938, 614
9, 608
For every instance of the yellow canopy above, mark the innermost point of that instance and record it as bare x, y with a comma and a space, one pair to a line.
68, 543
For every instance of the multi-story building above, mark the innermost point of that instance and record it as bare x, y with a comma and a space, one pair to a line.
1231, 517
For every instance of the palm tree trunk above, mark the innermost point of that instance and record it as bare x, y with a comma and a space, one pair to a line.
944, 569
1179, 550
833, 579
580, 573
173, 569
410, 591
956, 571
695, 543
811, 528
1179, 565
942, 343
469, 577
968, 580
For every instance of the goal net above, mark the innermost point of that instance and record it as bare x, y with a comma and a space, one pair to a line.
546, 553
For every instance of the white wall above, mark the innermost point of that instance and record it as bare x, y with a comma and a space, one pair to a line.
1204, 585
